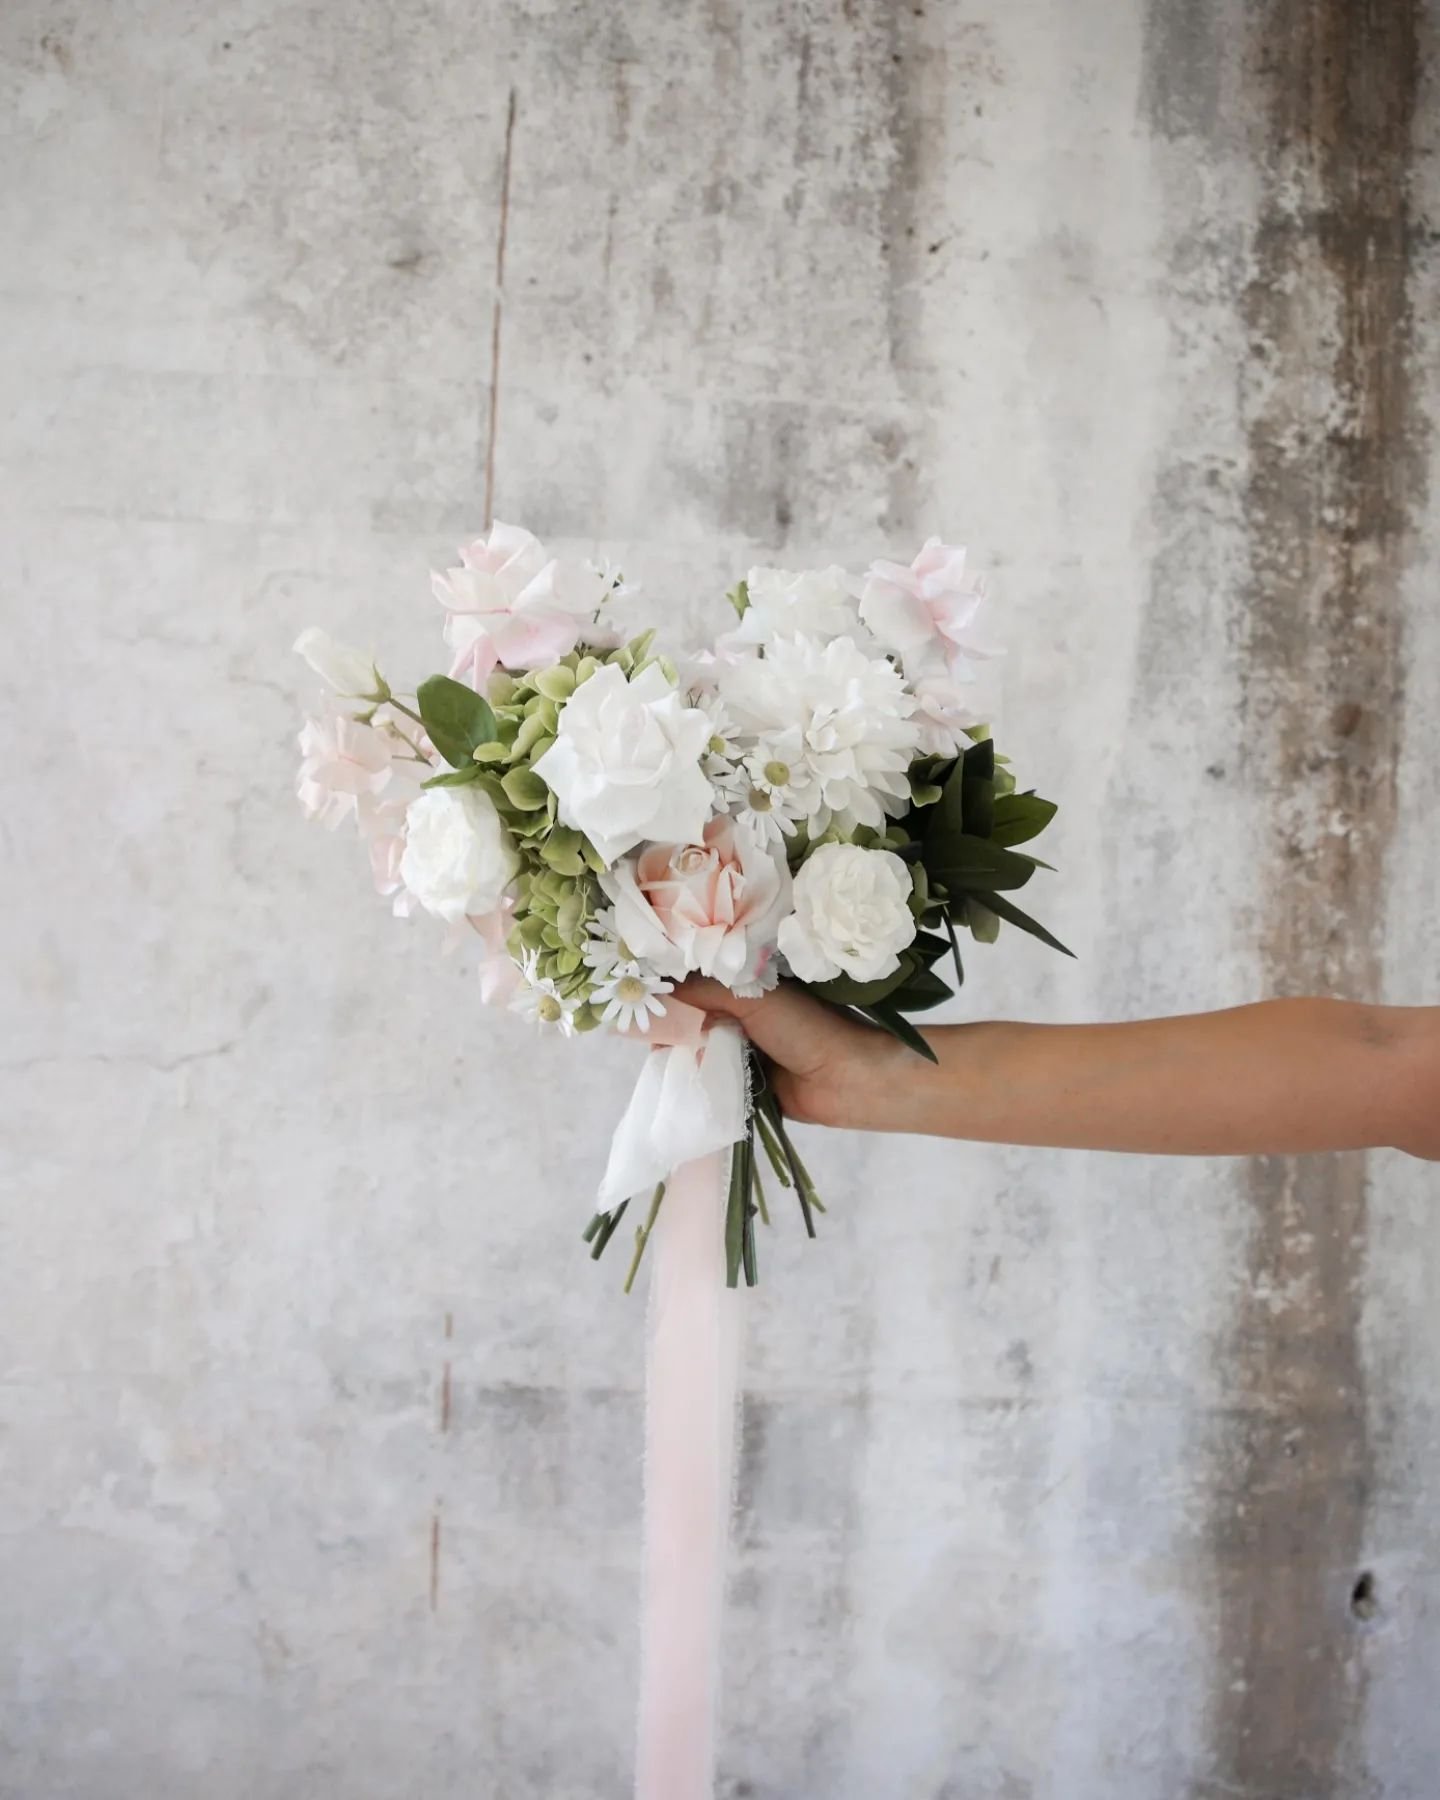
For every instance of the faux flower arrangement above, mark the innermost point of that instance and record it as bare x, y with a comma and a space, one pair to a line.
808, 799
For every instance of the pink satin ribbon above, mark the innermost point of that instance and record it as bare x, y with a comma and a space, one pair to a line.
692, 1390
692, 1385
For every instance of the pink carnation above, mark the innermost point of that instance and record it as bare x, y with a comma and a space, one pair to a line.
342, 763
926, 613
510, 602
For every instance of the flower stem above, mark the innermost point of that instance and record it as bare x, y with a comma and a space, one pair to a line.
605, 1231
757, 1188
409, 711
772, 1146
642, 1236
735, 1213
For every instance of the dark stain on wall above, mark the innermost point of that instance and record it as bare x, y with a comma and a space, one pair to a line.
1321, 99
1332, 481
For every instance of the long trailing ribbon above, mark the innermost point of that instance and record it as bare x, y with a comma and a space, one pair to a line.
689, 1105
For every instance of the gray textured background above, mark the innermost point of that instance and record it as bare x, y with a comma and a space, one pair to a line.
318, 1434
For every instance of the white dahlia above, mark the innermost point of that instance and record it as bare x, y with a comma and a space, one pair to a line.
847, 723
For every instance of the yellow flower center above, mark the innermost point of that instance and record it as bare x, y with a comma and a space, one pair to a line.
777, 773
630, 988
550, 1009
717, 746
759, 800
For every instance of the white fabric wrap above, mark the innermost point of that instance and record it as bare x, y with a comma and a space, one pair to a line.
689, 1100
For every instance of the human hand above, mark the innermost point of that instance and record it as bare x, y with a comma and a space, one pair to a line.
826, 1068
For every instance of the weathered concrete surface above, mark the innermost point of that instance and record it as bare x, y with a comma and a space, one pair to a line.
320, 1441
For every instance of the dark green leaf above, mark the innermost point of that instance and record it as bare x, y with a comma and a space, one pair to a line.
977, 788
929, 947
955, 951
923, 990
1012, 915
457, 718
968, 864
899, 1027
1020, 817
842, 991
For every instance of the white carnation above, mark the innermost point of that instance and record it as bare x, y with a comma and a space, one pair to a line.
849, 717
458, 858
852, 915
821, 603
625, 766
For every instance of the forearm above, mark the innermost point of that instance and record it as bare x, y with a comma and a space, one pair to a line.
1280, 1077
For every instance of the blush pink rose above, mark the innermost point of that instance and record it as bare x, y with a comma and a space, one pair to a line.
712, 908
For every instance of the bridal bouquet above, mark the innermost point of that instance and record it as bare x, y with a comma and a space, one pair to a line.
807, 799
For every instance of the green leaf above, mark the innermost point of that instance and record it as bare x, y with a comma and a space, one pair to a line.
639, 647
971, 864
925, 793
1020, 817
563, 851
458, 719
1012, 915
899, 1027
533, 732
557, 683
455, 777
739, 598
525, 789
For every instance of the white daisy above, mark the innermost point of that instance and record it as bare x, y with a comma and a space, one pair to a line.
774, 794
603, 949
616, 586
723, 751
542, 1003
631, 995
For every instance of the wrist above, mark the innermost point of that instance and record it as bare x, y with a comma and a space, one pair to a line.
893, 1088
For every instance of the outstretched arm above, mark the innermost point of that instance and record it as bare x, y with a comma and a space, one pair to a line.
1275, 1078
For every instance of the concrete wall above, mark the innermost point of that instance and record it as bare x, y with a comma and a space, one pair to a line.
319, 1465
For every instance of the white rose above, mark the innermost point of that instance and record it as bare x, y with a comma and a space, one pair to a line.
458, 857
625, 764
348, 671
852, 914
